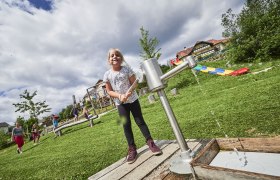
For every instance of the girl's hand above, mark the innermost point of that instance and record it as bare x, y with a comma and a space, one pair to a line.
128, 94
123, 98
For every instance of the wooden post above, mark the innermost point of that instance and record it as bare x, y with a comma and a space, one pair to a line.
91, 102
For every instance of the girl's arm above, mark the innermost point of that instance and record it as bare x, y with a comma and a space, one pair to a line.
111, 92
114, 94
131, 81
12, 137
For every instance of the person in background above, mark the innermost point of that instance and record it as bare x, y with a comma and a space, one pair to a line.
18, 137
86, 114
35, 133
75, 113
55, 123
118, 80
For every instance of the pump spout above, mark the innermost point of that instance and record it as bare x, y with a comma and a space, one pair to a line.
156, 83
189, 62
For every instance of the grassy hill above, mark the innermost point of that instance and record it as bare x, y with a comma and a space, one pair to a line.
244, 106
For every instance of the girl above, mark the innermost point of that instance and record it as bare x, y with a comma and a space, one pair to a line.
118, 80
87, 115
17, 136
75, 113
55, 123
35, 133
85, 112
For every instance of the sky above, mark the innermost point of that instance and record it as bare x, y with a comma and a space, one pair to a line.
59, 47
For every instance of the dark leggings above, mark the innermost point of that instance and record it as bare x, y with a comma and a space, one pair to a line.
135, 109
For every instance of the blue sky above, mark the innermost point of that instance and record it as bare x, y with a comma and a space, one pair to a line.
59, 47
41, 4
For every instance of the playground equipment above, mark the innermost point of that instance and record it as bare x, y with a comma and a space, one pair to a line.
211, 70
90, 119
59, 132
156, 83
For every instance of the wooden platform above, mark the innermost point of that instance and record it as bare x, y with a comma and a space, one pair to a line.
148, 166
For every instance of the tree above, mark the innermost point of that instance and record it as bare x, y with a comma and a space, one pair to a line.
254, 33
164, 68
20, 120
148, 45
28, 105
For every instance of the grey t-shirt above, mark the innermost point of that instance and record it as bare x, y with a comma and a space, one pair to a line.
119, 81
17, 131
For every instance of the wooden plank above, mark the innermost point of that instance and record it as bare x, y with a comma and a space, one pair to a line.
206, 155
151, 163
73, 124
110, 168
174, 176
271, 145
163, 172
219, 173
125, 168
116, 165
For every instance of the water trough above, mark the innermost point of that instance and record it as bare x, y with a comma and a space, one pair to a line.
254, 158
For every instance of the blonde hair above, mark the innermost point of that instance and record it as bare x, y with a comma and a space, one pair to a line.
118, 51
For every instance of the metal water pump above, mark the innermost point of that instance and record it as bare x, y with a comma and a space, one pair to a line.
156, 81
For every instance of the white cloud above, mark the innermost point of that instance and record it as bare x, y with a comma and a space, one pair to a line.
63, 51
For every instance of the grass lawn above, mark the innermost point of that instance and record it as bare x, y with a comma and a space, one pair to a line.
244, 106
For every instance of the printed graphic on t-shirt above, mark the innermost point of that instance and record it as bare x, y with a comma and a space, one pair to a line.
119, 81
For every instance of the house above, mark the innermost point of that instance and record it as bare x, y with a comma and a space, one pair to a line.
102, 95
4, 127
90, 94
202, 51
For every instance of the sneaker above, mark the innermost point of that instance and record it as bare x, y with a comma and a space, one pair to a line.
153, 147
18, 151
132, 154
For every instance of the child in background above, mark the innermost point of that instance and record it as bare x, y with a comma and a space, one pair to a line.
55, 123
85, 112
118, 80
35, 133
17, 136
75, 113
87, 115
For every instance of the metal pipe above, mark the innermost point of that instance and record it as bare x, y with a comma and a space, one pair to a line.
173, 122
188, 62
174, 71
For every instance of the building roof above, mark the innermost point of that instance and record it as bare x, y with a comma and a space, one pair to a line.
214, 41
99, 82
4, 124
188, 51
184, 52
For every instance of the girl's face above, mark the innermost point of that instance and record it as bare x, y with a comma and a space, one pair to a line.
115, 58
